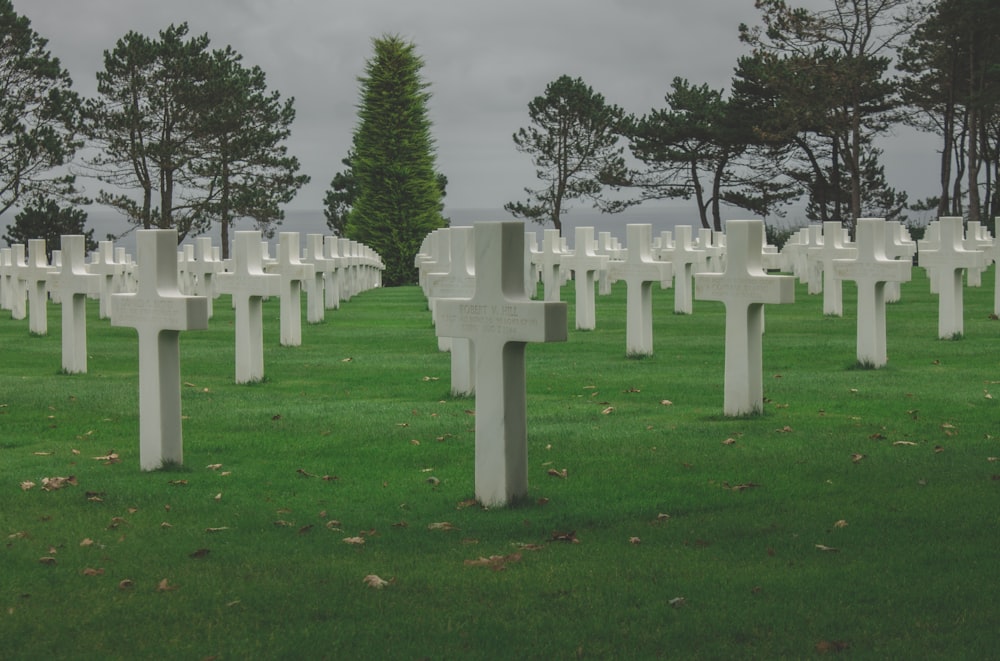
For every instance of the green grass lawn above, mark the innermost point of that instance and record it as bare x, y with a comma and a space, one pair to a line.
859, 515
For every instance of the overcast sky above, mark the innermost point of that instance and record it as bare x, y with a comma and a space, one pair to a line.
484, 61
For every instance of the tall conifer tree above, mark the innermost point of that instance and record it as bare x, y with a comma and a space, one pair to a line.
399, 195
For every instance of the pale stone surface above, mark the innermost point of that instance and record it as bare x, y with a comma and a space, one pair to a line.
871, 269
898, 245
945, 262
103, 264
18, 287
331, 285
744, 288
73, 285
315, 254
159, 312
205, 267
248, 285
500, 319
6, 276
34, 274
639, 271
587, 267
833, 247
549, 262
685, 258
458, 282
977, 237
293, 273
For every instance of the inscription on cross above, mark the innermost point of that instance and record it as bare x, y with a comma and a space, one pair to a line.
744, 288
500, 319
159, 312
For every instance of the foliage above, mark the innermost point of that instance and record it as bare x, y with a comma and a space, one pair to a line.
45, 219
951, 63
340, 198
39, 116
827, 72
195, 133
574, 145
396, 199
704, 146
245, 169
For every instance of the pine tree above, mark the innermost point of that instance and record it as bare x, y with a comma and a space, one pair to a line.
399, 195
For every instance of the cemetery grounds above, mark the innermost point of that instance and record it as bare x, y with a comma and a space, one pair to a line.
328, 510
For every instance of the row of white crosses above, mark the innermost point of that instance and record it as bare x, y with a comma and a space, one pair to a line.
159, 311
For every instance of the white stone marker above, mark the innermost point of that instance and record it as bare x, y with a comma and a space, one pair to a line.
204, 269
685, 257
744, 287
334, 277
945, 262
323, 267
458, 282
871, 270
832, 248
6, 276
249, 285
104, 265
549, 260
587, 267
293, 273
73, 285
159, 312
35, 273
639, 271
18, 292
500, 319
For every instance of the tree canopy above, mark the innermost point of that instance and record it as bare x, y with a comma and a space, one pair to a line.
40, 116
575, 144
394, 194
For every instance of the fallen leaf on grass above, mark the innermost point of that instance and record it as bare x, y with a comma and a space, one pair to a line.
47, 560
903, 443
826, 549
42, 454
220, 529
356, 541
555, 473
442, 525
56, 483
178, 483
90, 571
200, 553
729, 441
164, 586
740, 487
109, 458
608, 411
125, 584
634, 541
678, 602
494, 562
784, 430
87, 542
528, 547
469, 502
666, 402
376, 582
565, 537
857, 457
214, 467
840, 524
281, 523
27, 485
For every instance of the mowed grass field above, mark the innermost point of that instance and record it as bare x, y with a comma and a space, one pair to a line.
858, 516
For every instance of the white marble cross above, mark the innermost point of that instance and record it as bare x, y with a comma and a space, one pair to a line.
323, 268
293, 273
500, 320
6, 277
822, 256
871, 270
248, 285
639, 271
159, 312
335, 276
684, 257
549, 260
203, 270
104, 264
35, 274
945, 261
744, 288
587, 267
73, 285
458, 282
18, 286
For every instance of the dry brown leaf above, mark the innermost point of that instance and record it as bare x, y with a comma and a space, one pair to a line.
840, 524
857, 457
556, 473
441, 525
42, 454
47, 560
56, 483
729, 441
178, 483
903, 443
494, 562
281, 523
125, 584
27, 485
826, 549
87, 542
220, 529
634, 540
200, 553
214, 467
375, 581
825, 646
678, 602
217, 496
784, 430
164, 586
357, 541
90, 571
565, 537
666, 402
608, 410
